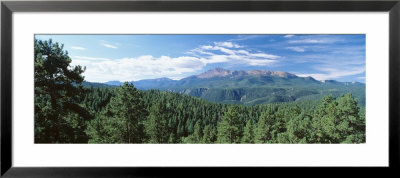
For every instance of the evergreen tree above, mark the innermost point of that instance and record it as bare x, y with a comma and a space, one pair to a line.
209, 134
324, 121
172, 138
229, 126
58, 117
351, 125
338, 121
248, 135
198, 132
126, 113
264, 126
157, 123
299, 129
180, 130
106, 129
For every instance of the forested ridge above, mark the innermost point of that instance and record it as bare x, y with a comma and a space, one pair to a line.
252, 87
68, 112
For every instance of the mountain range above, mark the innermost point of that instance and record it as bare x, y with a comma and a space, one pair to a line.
251, 87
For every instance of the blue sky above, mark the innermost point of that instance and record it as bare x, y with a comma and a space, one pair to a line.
137, 57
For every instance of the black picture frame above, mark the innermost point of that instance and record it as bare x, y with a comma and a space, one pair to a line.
8, 7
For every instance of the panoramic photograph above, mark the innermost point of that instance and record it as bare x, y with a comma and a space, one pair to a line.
200, 89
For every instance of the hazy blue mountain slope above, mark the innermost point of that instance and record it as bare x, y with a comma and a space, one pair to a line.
95, 84
253, 87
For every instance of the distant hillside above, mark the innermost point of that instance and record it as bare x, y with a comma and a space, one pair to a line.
115, 82
95, 84
253, 87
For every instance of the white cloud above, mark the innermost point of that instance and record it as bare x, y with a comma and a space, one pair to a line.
224, 50
206, 47
264, 55
89, 58
217, 59
297, 49
243, 52
307, 41
142, 67
107, 44
288, 36
77, 48
246, 37
227, 44
234, 56
198, 51
334, 73
316, 40
256, 62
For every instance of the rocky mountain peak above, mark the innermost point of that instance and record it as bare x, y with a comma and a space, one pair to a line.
220, 72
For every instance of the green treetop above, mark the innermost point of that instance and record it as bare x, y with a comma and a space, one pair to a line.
58, 117
229, 126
